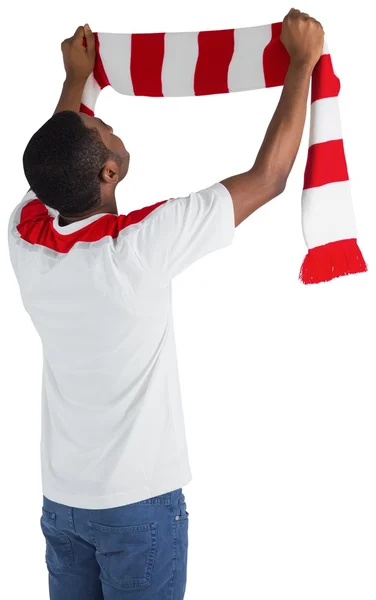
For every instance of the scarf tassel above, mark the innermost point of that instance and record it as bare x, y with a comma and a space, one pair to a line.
332, 260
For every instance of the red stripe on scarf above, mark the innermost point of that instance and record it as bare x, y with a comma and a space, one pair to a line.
326, 163
99, 74
147, 53
275, 59
86, 110
99, 71
215, 51
325, 84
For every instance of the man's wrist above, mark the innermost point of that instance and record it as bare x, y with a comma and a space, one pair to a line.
71, 94
75, 81
302, 66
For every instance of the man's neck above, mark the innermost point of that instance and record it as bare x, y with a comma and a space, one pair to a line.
107, 208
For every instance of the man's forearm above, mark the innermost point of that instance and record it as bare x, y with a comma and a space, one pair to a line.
71, 95
283, 136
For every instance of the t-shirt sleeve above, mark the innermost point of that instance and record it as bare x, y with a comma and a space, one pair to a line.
182, 230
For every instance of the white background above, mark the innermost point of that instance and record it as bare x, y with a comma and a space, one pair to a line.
277, 378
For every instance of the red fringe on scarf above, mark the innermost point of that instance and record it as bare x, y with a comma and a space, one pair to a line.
332, 260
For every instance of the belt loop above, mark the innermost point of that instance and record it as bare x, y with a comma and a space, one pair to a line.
70, 519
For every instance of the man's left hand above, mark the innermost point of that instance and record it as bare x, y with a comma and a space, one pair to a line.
78, 59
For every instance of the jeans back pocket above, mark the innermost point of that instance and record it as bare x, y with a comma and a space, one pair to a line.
59, 553
126, 555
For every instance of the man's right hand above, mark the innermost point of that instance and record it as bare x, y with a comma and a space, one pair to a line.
303, 37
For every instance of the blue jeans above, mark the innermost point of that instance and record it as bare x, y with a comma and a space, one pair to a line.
133, 552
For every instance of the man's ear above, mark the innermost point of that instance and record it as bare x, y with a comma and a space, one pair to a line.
110, 172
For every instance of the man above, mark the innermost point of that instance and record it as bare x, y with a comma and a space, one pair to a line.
97, 285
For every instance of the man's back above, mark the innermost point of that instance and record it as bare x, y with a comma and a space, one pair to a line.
99, 294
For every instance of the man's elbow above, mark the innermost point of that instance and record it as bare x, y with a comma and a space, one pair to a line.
273, 182
280, 185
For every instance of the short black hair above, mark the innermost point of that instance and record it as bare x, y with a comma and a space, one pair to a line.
63, 161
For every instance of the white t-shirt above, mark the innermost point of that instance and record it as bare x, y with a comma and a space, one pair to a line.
99, 294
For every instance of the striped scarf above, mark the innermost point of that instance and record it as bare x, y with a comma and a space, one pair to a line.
233, 60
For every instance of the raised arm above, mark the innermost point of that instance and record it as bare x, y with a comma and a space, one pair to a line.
303, 37
79, 62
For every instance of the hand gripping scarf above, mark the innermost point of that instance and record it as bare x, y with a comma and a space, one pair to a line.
234, 60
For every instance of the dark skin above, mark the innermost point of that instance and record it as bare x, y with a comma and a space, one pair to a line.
111, 174
303, 38
79, 63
